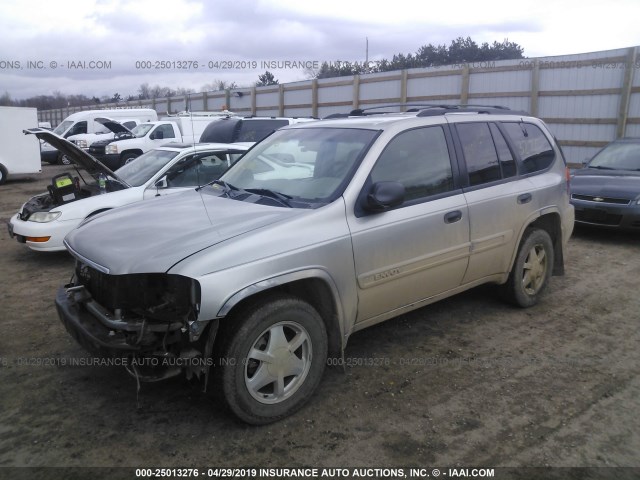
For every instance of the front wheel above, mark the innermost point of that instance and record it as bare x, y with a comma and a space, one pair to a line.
273, 359
63, 159
128, 158
532, 269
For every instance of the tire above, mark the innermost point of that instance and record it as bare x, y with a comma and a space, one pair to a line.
262, 380
127, 157
532, 269
63, 159
3, 174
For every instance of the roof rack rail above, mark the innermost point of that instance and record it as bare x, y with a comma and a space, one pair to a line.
469, 108
428, 109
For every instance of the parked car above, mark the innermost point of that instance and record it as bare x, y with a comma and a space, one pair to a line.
265, 276
44, 220
606, 192
246, 130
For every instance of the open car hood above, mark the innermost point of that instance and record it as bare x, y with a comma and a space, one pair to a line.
113, 125
74, 153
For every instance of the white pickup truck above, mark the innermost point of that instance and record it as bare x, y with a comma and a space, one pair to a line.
183, 128
82, 129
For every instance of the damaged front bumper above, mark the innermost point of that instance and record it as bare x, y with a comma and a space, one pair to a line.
153, 350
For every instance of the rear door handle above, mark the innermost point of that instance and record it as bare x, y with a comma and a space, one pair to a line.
452, 217
524, 198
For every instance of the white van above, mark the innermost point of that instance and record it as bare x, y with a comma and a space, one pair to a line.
82, 129
19, 153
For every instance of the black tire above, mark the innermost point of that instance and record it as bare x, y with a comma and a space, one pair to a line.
530, 275
268, 329
63, 159
3, 174
127, 157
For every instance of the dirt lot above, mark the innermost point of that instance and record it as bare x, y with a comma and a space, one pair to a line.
468, 381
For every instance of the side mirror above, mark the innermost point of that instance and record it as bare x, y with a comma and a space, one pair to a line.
384, 196
157, 135
162, 183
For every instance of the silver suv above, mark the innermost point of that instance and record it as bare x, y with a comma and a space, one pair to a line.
257, 280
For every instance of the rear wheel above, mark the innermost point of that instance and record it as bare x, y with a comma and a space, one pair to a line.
3, 174
273, 359
531, 271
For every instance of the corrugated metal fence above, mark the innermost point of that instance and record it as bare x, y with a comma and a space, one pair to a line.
587, 99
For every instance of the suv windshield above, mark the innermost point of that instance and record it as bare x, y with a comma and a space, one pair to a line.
618, 156
60, 129
310, 165
144, 167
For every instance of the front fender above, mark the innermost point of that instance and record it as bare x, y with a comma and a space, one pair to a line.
280, 280
285, 279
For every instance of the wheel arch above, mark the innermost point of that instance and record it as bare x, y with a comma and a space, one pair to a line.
315, 286
548, 220
135, 151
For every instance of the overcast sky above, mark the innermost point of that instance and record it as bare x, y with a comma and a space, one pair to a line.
50, 34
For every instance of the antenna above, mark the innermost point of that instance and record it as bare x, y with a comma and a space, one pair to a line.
193, 132
191, 118
366, 55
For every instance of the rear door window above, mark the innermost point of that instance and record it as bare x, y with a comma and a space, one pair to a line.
483, 165
487, 155
535, 151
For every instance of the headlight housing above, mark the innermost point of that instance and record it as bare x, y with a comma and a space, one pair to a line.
82, 143
111, 149
44, 217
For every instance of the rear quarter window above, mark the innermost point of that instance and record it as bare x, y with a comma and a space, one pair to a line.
533, 147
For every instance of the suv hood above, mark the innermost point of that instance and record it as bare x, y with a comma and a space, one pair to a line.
77, 155
154, 235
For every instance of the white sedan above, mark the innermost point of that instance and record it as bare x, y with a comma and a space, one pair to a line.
44, 220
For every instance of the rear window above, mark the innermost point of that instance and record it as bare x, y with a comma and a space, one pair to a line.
220, 131
256, 130
231, 130
536, 153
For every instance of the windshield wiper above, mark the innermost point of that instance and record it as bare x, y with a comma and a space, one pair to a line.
265, 192
600, 167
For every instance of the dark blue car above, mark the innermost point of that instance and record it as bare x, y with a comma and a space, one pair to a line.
606, 192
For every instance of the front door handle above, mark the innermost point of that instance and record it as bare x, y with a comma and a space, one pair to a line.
452, 217
524, 198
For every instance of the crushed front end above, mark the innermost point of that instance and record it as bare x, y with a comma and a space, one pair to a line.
150, 319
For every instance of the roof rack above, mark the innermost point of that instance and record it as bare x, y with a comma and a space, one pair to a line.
427, 110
